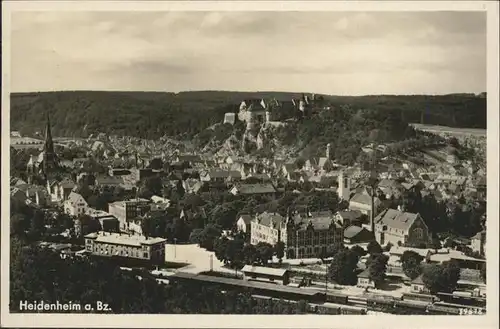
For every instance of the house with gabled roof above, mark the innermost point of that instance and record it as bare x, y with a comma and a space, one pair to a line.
362, 201
400, 228
244, 223
75, 205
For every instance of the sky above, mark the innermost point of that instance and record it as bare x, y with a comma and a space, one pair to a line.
337, 53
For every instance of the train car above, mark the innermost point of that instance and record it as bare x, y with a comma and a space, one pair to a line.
351, 310
419, 297
462, 300
411, 304
356, 300
473, 309
327, 310
380, 303
336, 298
259, 288
434, 309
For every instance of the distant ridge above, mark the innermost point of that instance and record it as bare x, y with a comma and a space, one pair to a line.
153, 114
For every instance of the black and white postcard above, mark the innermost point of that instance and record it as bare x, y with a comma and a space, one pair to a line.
216, 164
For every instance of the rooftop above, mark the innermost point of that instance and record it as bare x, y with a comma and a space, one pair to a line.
255, 188
396, 219
352, 231
267, 219
264, 270
124, 239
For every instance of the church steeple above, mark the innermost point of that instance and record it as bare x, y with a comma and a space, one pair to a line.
49, 155
49, 144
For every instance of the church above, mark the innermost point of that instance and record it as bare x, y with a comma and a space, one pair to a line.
46, 162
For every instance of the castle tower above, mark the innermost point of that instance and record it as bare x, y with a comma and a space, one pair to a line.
268, 116
49, 155
302, 106
344, 190
328, 149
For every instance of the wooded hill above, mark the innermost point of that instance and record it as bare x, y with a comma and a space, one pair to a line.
154, 114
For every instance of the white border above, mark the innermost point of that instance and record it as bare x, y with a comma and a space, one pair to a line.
258, 321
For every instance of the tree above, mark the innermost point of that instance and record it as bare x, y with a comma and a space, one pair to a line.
265, 252
151, 186
449, 243
377, 266
156, 164
279, 250
388, 247
441, 278
220, 247
343, 267
435, 243
207, 236
409, 254
412, 268
17, 225
374, 248
249, 253
451, 275
37, 224
358, 250
195, 236
234, 253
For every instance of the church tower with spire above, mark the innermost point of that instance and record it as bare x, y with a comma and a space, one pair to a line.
50, 161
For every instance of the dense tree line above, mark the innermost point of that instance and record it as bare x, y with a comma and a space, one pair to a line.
461, 217
41, 275
348, 129
151, 115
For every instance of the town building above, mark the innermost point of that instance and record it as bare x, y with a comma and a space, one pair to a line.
108, 222
344, 188
350, 217
229, 118
362, 201
35, 194
128, 211
310, 235
364, 280
401, 228
128, 246
266, 274
252, 112
266, 227
59, 191
102, 181
244, 223
418, 286
220, 176
75, 205
253, 189
357, 234
478, 243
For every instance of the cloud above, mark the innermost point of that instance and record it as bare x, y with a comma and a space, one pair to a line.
331, 52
